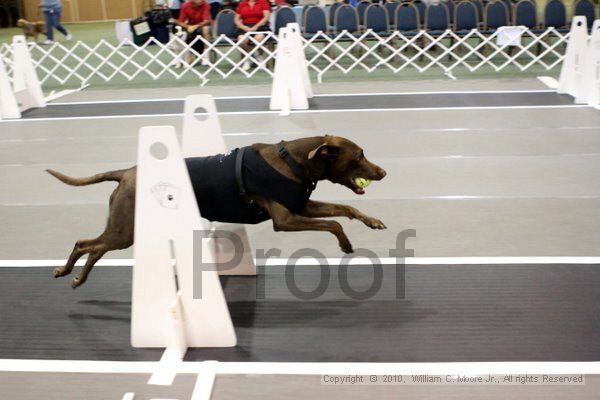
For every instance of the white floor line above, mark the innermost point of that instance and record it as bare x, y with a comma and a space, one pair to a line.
304, 368
355, 110
165, 368
316, 95
281, 262
205, 381
549, 81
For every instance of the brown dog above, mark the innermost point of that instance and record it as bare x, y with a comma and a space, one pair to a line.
32, 29
320, 158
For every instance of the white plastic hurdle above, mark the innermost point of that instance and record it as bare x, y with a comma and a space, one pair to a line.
572, 67
202, 136
580, 72
26, 85
589, 86
9, 108
165, 312
291, 83
26, 90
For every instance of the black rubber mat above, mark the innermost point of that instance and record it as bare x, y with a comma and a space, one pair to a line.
341, 102
448, 313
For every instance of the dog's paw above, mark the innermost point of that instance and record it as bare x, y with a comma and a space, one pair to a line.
374, 223
60, 271
76, 282
346, 247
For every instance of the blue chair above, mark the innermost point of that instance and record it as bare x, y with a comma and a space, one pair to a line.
361, 8
377, 19
525, 14
555, 15
407, 20
391, 6
421, 7
479, 5
225, 24
495, 15
346, 19
437, 19
587, 9
315, 21
332, 11
465, 18
283, 16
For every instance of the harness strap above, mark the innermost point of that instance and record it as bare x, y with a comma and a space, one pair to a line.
239, 177
296, 168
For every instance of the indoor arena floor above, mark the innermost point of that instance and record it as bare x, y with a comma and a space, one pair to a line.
478, 168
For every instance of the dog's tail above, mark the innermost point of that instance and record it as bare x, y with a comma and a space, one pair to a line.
105, 176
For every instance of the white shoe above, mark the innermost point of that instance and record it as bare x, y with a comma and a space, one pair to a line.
205, 59
69, 36
246, 66
48, 41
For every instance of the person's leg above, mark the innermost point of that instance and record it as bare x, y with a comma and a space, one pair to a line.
197, 46
206, 34
59, 26
243, 43
49, 27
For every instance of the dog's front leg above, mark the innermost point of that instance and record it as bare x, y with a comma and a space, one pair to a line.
285, 220
321, 209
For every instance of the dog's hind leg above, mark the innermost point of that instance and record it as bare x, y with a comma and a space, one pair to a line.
81, 247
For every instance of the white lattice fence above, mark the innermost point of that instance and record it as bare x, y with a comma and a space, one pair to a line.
83, 63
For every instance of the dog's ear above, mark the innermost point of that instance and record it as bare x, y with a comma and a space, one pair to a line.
21, 23
325, 151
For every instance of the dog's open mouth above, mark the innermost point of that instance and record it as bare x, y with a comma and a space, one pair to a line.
355, 188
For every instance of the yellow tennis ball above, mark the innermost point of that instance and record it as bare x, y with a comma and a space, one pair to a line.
362, 182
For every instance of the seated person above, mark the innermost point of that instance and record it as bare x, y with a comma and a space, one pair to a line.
251, 16
194, 16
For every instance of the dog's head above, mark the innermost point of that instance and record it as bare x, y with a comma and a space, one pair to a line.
344, 161
22, 22
179, 32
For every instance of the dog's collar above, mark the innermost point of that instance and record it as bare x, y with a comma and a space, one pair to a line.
296, 168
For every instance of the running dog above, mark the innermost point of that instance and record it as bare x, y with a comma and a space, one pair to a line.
32, 29
247, 185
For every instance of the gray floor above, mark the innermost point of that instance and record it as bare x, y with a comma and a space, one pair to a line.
471, 182
426, 314
53, 386
519, 182
317, 103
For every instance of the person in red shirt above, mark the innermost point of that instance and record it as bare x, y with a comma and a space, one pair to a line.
251, 16
194, 16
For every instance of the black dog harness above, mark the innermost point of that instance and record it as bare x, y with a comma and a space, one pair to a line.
224, 183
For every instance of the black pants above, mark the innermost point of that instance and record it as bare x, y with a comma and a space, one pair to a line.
199, 45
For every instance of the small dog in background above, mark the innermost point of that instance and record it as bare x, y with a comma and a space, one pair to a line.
178, 46
32, 29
